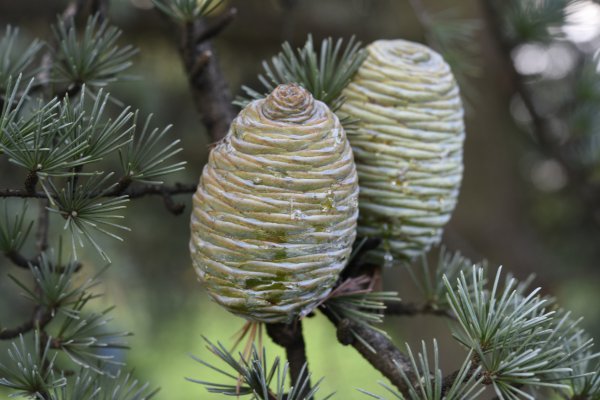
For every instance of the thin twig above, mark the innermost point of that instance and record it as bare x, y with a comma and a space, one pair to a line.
135, 192
39, 319
18, 259
449, 380
100, 7
356, 265
21, 261
215, 28
43, 225
70, 91
121, 189
132, 192
402, 309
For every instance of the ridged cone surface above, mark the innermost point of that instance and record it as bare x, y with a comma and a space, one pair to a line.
275, 212
408, 146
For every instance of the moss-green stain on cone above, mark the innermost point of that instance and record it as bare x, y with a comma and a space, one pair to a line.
408, 146
275, 212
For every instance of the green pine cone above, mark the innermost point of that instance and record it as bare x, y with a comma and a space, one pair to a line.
275, 212
408, 145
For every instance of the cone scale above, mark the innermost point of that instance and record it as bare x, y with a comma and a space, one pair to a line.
275, 211
408, 146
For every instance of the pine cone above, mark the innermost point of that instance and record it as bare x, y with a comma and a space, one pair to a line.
275, 212
408, 146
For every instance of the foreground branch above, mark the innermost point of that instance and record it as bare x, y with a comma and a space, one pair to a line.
39, 319
356, 265
290, 337
387, 358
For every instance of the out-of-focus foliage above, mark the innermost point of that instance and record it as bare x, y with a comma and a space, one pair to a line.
531, 20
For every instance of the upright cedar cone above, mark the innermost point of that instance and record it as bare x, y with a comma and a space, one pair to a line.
275, 212
408, 146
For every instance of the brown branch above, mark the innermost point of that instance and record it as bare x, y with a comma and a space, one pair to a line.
356, 266
21, 193
449, 380
18, 259
216, 27
387, 358
132, 192
100, 7
70, 91
402, 309
21, 261
148, 190
209, 87
166, 192
122, 189
31, 181
290, 337
43, 224
39, 319
122, 185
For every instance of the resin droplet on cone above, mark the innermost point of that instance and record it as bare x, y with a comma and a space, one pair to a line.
275, 212
408, 146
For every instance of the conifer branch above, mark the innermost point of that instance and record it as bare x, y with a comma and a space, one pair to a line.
165, 191
386, 358
291, 338
402, 309
208, 85
356, 265
43, 224
374, 345
39, 319
133, 192
216, 27
18, 259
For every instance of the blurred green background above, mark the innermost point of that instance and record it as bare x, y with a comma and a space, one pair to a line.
512, 209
